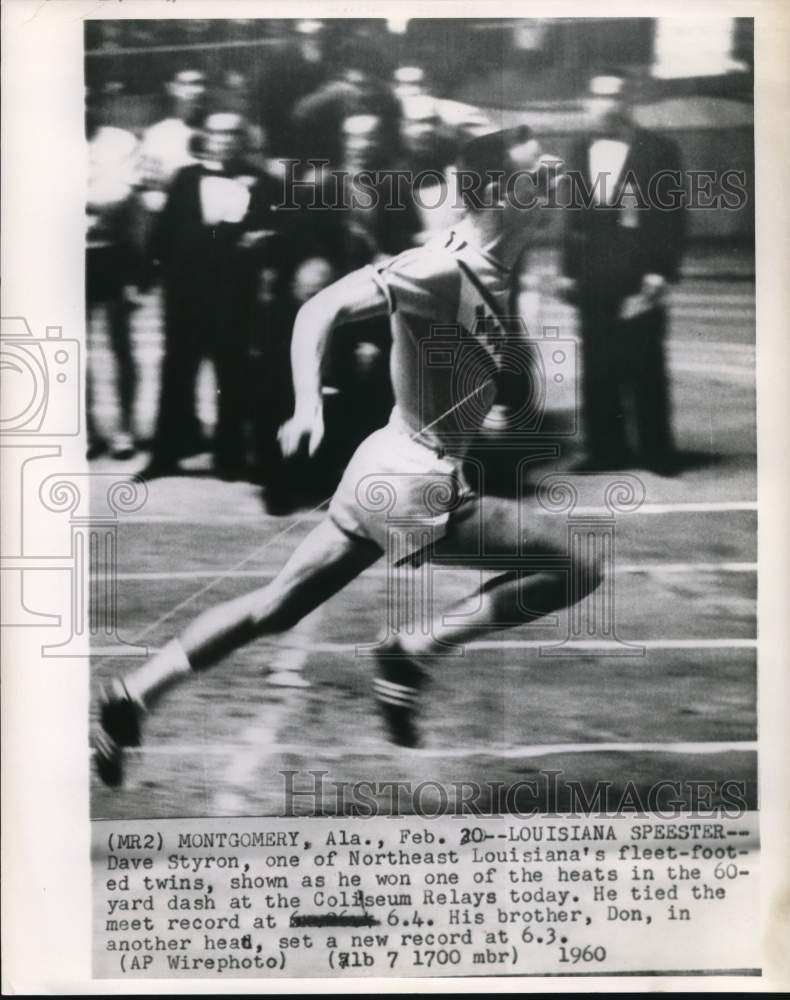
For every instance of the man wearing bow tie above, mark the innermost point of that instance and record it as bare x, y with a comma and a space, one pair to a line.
622, 248
213, 238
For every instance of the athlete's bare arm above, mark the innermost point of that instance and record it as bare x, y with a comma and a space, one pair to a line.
354, 297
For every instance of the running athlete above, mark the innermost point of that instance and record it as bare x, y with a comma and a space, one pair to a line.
404, 491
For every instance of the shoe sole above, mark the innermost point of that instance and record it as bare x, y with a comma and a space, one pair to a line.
115, 733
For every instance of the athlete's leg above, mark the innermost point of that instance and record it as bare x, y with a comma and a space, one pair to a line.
527, 542
321, 565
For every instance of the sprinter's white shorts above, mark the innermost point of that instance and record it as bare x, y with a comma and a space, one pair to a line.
398, 491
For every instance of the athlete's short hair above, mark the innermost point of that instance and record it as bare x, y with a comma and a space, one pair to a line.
486, 158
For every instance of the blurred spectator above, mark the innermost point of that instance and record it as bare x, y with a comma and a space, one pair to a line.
109, 264
281, 294
167, 146
458, 120
345, 218
214, 236
381, 221
433, 131
430, 150
310, 41
428, 144
285, 483
409, 81
381, 213
285, 76
620, 253
360, 223
359, 87
311, 276
234, 94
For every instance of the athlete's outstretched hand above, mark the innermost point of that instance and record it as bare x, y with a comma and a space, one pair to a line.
302, 425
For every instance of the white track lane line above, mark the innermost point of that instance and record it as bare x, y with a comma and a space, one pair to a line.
702, 507
243, 517
458, 753
695, 346
724, 567
700, 368
691, 507
593, 644
582, 645
383, 574
703, 346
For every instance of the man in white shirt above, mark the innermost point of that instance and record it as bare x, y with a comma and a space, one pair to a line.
621, 250
109, 266
166, 147
211, 241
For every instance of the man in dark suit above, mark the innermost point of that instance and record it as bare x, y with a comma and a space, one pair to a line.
622, 247
214, 236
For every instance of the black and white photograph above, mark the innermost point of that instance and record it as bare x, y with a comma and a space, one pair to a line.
394, 541
432, 344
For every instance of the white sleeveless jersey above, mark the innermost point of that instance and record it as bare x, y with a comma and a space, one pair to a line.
447, 302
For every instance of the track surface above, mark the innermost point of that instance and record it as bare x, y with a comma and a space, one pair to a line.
685, 587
